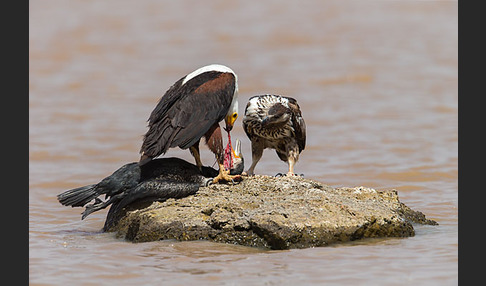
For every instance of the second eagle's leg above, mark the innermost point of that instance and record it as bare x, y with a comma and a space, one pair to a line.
256, 154
292, 159
291, 166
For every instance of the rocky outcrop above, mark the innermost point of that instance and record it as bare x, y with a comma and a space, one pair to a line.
275, 213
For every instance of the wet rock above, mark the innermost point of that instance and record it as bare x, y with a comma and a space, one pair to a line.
275, 213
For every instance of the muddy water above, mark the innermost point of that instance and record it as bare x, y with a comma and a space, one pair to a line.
376, 80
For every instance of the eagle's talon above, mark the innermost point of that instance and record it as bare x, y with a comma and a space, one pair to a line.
219, 180
246, 174
279, 175
236, 179
225, 177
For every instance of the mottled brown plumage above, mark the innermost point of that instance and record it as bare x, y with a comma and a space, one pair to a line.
275, 122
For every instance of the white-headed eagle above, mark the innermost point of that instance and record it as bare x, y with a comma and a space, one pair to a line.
190, 109
274, 121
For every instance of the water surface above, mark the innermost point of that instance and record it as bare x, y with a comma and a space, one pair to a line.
376, 81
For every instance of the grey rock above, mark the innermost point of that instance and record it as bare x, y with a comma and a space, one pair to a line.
275, 213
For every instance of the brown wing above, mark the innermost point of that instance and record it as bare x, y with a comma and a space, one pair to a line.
187, 111
298, 123
246, 126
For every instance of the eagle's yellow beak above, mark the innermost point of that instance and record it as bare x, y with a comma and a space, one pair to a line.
230, 121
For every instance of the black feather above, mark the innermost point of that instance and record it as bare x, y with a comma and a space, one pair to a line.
78, 197
157, 180
185, 113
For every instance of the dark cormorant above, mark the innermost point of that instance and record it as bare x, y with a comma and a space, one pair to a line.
157, 180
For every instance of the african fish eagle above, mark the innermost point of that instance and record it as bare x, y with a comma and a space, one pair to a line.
190, 109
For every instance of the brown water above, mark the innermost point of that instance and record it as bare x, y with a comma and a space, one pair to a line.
376, 80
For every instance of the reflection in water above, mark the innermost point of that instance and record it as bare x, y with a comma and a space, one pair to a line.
377, 85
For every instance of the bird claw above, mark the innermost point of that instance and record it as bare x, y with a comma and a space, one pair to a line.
233, 179
236, 179
288, 175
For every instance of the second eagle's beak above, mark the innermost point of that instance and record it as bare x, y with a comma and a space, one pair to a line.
230, 121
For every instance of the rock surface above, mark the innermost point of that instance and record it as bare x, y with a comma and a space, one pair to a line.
275, 213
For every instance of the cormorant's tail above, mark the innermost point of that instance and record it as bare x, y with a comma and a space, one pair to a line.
78, 197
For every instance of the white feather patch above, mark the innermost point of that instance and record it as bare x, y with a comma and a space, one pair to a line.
213, 67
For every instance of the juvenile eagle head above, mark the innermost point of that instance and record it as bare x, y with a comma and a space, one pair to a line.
277, 114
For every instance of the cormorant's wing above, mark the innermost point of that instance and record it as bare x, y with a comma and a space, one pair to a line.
152, 190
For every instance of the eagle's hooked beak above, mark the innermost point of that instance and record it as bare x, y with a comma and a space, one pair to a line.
230, 121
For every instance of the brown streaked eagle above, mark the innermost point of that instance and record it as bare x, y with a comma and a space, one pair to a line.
191, 109
274, 121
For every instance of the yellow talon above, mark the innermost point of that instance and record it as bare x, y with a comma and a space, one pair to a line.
225, 176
